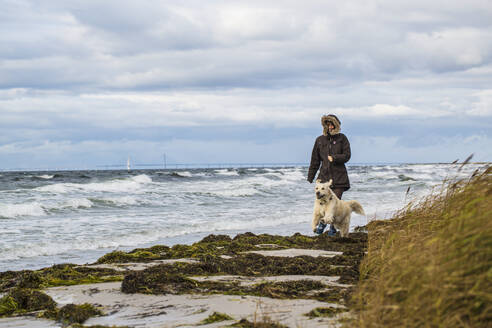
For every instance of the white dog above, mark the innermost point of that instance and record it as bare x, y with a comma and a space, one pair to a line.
331, 210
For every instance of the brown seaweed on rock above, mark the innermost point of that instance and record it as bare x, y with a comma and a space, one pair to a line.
243, 323
56, 275
215, 245
23, 300
73, 313
251, 264
166, 283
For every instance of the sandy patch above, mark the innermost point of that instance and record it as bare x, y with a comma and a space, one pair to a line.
140, 310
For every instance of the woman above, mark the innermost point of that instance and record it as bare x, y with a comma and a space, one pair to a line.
332, 151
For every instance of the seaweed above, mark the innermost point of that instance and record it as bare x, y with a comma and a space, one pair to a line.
325, 312
23, 300
217, 245
162, 282
74, 313
215, 317
243, 323
57, 275
157, 282
249, 265
78, 325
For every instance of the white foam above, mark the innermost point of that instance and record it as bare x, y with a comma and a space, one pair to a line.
259, 222
184, 174
79, 203
142, 178
124, 185
58, 246
45, 176
19, 210
238, 192
226, 172
57, 188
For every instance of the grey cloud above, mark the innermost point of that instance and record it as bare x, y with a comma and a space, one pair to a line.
118, 75
155, 45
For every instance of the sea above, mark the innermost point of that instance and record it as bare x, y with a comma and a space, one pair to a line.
52, 217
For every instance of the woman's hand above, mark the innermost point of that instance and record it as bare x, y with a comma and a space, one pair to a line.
330, 158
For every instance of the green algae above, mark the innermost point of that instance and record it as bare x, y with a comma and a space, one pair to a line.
74, 313
215, 317
78, 325
217, 245
8, 305
325, 312
243, 323
23, 300
209, 251
122, 257
57, 275
161, 282
70, 274
252, 264
287, 289
172, 278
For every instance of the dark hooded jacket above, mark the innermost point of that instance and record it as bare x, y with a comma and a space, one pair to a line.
335, 144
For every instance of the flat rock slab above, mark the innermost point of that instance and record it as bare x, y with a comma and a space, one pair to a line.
141, 310
248, 281
293, 252
137, 266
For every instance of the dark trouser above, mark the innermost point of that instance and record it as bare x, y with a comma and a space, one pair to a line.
339, 193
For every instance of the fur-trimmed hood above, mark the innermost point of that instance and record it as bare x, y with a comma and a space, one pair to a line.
326, 119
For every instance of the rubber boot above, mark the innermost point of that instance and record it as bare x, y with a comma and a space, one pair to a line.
332, 231
320, 228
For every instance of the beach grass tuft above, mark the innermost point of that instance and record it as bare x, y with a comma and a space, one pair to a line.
431, 264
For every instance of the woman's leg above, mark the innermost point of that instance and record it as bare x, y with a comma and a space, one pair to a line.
338, 192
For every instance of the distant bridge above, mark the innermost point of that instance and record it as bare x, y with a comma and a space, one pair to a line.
201, 165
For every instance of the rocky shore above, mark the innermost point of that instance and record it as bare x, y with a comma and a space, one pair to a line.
246, 281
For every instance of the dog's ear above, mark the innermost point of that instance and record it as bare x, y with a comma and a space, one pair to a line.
330, 182
318, 180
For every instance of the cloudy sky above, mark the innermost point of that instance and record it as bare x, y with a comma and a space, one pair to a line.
87, 83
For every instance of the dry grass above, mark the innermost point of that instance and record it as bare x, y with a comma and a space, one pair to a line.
431, 265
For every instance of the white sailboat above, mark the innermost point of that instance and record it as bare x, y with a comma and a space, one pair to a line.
128, 164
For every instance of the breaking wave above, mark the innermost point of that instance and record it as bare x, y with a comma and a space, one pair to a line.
12, 211
119, 185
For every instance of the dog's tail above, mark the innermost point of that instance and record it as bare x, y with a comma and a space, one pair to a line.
356, 207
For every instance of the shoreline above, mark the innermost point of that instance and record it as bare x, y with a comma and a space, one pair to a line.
258, 278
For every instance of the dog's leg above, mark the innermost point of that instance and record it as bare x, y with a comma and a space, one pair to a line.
344, 228
315, 222
316, 217
328, 219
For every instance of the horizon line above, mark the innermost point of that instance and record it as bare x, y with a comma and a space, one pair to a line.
171, 166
